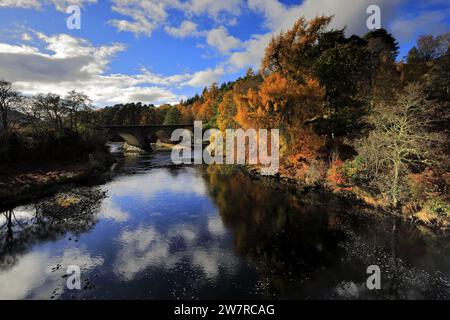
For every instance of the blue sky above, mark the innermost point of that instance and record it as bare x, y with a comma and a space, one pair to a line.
161, 51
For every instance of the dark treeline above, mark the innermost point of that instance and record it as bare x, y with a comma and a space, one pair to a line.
45, 128
132, 114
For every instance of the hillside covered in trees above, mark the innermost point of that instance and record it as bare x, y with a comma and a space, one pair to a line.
352, 116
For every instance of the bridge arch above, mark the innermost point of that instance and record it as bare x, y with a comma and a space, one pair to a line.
142, 136
130, 139
161, 135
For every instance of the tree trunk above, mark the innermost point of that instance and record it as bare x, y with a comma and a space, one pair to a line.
394, 190
4, 114
71, 119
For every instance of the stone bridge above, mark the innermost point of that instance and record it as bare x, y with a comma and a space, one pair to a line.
143, 136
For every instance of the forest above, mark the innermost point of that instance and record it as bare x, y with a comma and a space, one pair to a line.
353, 117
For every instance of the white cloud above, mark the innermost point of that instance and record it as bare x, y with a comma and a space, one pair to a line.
253, 53
68, 63
60, 5
186, 29
221, 40
32, 277
155, 95
146, 247
214, 8
26, 37
205, 77
216, 226
144, 16
408, 27
350, 13
26, 4
111, 211
157, 184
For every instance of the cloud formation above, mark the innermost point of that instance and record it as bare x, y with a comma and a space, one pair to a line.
186, 29
60, 5
142, 17
69, 63
62, 62
220, 39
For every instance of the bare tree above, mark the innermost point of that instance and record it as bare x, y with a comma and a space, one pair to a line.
51, 110
8, 98
401, 141
76, 102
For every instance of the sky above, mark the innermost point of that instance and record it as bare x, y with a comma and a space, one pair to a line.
163, 51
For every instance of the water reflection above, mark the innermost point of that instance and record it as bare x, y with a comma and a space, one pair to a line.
46, 220
163, 232
319, 246
36, 273
146, 248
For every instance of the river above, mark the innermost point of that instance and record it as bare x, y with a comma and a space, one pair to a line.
155, 231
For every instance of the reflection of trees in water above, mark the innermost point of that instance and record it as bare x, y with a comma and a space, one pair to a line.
288, 237
309, 246
45, 221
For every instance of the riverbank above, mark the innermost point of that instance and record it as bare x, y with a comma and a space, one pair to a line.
419, 215
21, 183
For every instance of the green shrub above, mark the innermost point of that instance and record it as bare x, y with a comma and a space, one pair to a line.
438, 207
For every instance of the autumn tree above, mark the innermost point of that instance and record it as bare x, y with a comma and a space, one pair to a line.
247, 100
205, 109
290, 106
293, 53
400, 141
227, 112
186, 116
344, 67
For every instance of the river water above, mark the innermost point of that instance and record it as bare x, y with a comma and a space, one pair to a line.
156, 231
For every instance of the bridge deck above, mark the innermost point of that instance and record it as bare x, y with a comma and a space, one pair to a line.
149, 126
